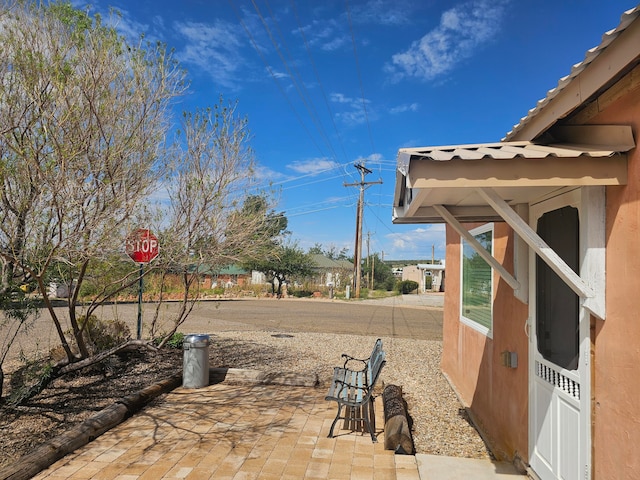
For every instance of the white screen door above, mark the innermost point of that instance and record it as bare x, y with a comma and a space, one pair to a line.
559, 375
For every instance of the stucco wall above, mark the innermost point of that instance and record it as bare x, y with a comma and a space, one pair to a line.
496, 395
616, 365
412, 272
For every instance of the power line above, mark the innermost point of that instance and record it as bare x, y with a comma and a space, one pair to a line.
317, 172
288, 215
332, 201
273, 76
294, 76
311, 183
355, 54
315, 71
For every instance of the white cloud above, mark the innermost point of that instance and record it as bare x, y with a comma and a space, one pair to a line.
213, 48
328, 35
313, 166
340, 98
355, 111
122, 21
461, 31
332, 34
383, 12
406, 107
267, 175
374, 158
417, 243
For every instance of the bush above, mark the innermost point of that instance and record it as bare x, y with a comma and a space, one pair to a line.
407, 286
176, 340
301, 293
390, 283
104, 334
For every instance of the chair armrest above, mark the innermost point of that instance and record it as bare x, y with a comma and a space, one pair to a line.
349, 358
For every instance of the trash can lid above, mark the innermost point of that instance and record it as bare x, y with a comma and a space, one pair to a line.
196, 338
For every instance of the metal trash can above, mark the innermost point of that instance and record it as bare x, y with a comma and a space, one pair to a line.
195, 364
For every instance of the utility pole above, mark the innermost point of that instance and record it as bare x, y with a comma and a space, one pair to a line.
358, 250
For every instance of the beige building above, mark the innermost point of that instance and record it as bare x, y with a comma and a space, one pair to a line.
541, 337
429, 277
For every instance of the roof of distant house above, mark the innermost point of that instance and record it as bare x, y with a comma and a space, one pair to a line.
324, 262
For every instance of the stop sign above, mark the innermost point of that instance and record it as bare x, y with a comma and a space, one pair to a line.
142, 246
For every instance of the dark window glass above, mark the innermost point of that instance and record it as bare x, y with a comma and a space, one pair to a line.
557, 305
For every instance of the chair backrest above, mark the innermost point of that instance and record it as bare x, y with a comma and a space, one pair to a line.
375, 363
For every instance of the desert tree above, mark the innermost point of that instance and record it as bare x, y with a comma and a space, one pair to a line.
216, 215
330, 251
282, 263
83, 120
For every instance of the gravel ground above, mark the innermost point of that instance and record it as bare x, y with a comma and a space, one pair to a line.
440, 424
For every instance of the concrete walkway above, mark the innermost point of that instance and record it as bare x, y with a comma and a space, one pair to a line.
434, 467
429, 300
251, 431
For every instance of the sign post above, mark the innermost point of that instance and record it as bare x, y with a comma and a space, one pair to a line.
142, 246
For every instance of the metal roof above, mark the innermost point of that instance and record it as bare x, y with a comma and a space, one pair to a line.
430, 266
625, 20
501, 151
520, 172
324, 262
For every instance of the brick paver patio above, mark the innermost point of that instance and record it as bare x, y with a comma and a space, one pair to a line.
228, 431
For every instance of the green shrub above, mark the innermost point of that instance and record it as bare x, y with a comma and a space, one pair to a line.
390, 283
176, 340
407, 286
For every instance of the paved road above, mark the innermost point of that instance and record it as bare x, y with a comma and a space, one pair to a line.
407, 316
383, 318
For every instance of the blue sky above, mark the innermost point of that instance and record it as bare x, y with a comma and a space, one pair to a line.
328, 83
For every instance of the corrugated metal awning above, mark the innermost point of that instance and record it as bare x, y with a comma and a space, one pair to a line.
501, 151
520, 172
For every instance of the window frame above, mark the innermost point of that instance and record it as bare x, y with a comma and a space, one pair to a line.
475, 324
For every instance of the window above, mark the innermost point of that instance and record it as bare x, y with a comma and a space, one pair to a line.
477, 282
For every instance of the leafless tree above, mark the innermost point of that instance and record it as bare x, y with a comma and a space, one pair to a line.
209, 225
83, 120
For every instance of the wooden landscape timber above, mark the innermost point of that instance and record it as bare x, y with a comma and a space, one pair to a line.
397, 433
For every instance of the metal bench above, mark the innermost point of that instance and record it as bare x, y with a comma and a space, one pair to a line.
352, 388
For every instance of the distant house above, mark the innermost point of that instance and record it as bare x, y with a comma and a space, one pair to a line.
330, 272
231, 276
541, 338
228, 276
258, 278
428, 276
